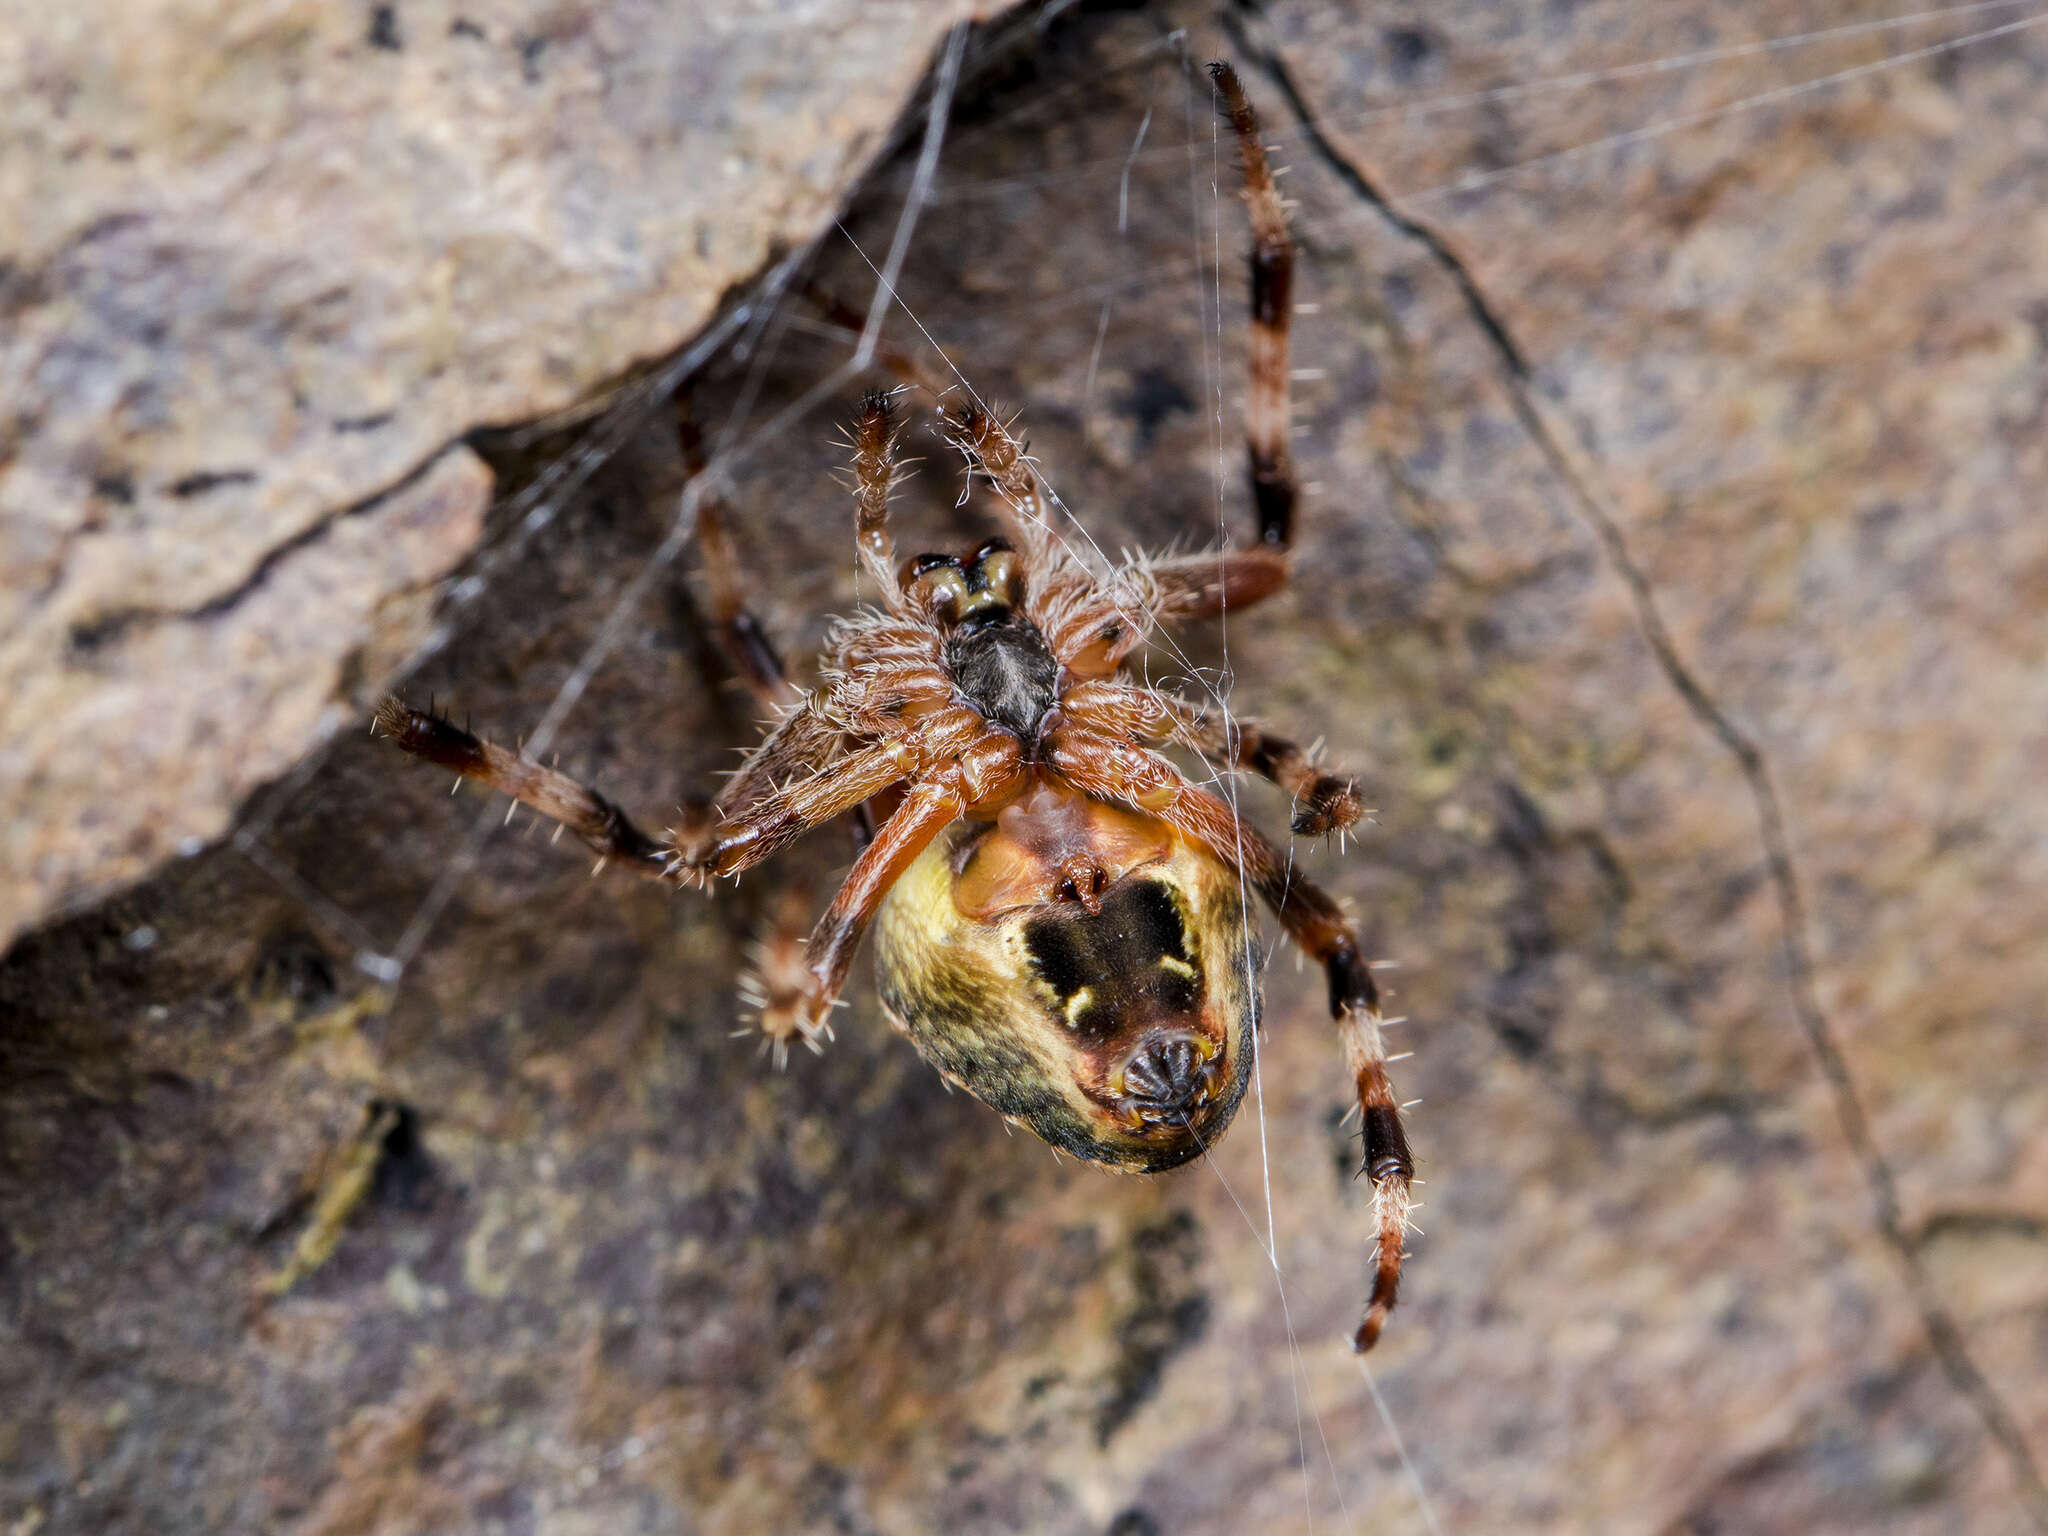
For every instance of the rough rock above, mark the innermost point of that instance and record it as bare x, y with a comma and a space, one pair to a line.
612, 1274
262, 266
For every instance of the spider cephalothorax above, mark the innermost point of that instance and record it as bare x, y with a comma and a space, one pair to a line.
1060, 911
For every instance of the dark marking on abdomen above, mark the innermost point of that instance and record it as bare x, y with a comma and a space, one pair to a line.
1117, 957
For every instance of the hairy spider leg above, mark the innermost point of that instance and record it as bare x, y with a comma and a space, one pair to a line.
1268, 406
991, 767
1004, 466
575, 805
1205, 584
995, 453
789, 784
1121, 771
740, 636
875, 436
1324, 802
799, 746
742, 640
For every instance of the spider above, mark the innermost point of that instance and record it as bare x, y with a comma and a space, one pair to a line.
1059, 912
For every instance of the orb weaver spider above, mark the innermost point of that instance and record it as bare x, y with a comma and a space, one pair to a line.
1059, 912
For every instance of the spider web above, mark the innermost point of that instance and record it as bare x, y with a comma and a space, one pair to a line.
1341, 1473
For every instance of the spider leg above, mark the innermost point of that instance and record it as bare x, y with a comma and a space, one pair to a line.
930, 805
1209, 582
741, 638
1127, 774
1323, 802
775, 980
802, 742
992, 451
1268, 408
988, 445
728, 837
874, 441
1201, 586
740, 832
1315, 922
986, 442
575, 805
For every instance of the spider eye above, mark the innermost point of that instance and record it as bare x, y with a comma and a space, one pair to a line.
999, 574
944, 584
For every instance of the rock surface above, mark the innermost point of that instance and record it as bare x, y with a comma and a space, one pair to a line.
262, 268
610, 1274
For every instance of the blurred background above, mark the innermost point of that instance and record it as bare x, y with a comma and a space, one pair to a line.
1670, 393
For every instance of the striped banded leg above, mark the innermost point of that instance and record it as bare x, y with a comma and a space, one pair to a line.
1128, 774
1323, 802
1268, 406
577, 806
1316, 923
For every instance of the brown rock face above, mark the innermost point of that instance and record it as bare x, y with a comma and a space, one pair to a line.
262, 269
1697, 673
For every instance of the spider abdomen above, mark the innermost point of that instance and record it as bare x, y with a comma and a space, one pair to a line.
1082, 969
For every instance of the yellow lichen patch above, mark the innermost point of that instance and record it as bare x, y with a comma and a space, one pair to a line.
341, 1193
335, 1036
